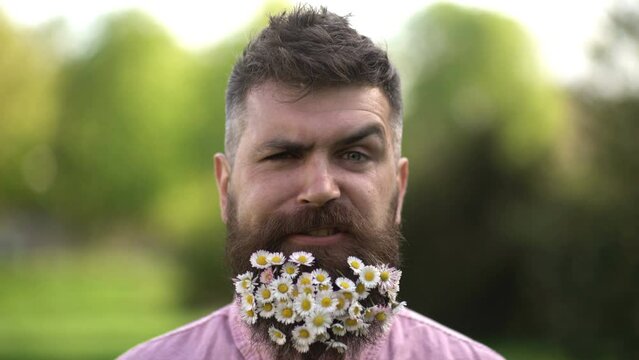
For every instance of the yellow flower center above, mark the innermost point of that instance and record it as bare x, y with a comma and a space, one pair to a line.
326, 302
295, 292
245, 283
250, 313
385, 275
355, 264
369, 276
276, 259
348, 296
321, 277
318, 320
308, 290
249, 299
266, 293
306, 304
305, 281
268, 306
340, 303
360, 288
278, 335
302, 259
380, 316
344, 285
287, 312
351, 322
283, 288
304, 334
290, 270
261, 260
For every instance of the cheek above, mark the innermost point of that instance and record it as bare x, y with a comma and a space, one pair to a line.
260, 196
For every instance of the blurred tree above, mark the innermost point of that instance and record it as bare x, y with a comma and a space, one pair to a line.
589, 287
28, 83
481, 124
123, 113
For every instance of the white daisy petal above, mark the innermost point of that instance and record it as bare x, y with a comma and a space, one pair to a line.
303, 335
304, 304
355, 264
302, 258
345, 284
277, 336
276, 258
369, 276
285, 313
259, 259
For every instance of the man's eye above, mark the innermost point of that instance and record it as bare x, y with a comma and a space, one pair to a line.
280, 156
354, 156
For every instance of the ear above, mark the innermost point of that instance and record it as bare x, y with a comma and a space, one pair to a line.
222, 176
402, 182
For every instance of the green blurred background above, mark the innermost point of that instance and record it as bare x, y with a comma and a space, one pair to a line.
522, 216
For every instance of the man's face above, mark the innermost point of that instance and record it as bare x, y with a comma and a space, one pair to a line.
325, 161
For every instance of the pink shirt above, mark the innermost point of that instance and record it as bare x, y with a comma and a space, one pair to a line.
222, 335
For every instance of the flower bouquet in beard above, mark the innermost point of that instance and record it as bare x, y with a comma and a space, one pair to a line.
309, 307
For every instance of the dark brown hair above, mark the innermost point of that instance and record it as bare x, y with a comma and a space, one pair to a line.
307, 49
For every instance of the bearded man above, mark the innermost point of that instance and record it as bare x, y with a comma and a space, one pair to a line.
312, 163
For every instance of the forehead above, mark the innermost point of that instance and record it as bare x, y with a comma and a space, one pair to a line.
273, 108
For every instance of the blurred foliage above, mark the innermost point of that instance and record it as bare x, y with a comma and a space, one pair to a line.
521, 215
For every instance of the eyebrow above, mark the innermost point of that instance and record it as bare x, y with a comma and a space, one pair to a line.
297, 147
370, 130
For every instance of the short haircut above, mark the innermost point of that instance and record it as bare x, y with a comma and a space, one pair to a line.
309, 49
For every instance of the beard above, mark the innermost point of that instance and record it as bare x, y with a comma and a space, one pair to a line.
373, 243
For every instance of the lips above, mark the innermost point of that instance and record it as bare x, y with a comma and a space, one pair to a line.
320, 236
323, 232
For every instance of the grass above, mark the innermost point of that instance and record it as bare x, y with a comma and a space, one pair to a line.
86, 304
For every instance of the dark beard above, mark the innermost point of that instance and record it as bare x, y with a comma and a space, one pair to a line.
373, 243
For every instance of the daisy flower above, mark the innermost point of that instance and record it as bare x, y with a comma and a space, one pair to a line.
338, 329
304, 304
320, 276
369, 276
285, 313
342, 304
244, 283
259, 259
326, 301
303, 335
249, 316
276, 258
340, 347
397, 306
276, 335
290, 269
388, 278
309, 290
355, 264
360, 289
264, 294
281, 287
302, 258
345, 284
267, 310
352, 324
305, 279
324, 287
348, 295
266, 276
301, 348
355, 310
248, 301
318, 321
383, 316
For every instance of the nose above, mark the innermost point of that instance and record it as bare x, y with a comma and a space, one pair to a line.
320, 186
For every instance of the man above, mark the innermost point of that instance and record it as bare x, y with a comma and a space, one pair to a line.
312, 163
